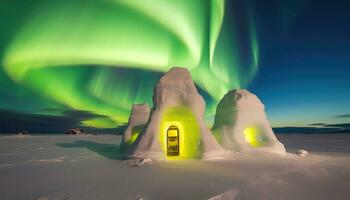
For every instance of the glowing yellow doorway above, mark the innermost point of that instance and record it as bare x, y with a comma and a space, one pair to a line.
173, 141
188, 132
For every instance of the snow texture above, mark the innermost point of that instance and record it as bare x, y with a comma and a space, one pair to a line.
91, 167
239, 114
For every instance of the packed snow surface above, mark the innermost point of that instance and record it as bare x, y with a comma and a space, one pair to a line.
90, 167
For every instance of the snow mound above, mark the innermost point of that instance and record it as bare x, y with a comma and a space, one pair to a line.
302, 152
176, 104
241, 124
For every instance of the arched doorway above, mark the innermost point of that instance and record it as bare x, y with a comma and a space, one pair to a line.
173, 141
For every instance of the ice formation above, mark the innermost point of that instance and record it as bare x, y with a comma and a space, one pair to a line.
241, 124
137, 120
176, 128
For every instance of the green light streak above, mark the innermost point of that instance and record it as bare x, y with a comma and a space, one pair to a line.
101, 122
254, 47
102, 56
217, 11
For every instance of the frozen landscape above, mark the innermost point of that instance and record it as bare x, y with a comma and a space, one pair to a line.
43, 167
174, 100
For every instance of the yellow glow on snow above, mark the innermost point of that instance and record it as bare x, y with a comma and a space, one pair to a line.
133, 137
254, 137
189, 134
135, 132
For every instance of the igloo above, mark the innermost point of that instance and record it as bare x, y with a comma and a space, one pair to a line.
241, 124
176, 128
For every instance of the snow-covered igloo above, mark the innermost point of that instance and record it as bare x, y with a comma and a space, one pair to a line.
241, 124
176, 128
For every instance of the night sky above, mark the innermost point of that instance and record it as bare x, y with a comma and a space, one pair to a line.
83, 63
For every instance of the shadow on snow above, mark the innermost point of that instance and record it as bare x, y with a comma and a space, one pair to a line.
110, 151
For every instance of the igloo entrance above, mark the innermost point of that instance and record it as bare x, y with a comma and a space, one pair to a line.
173, 141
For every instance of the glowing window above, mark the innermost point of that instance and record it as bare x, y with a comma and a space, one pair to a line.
254, 137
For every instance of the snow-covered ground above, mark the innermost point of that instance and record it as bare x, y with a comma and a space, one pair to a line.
90, 167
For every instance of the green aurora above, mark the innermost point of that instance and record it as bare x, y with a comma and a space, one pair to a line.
103, 56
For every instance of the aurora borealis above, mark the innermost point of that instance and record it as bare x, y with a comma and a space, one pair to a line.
75, 54
89, 61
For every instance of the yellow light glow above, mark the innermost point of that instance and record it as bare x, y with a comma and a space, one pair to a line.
172, 133
254, 137
133, 137
189, 134
173, 141
135, 133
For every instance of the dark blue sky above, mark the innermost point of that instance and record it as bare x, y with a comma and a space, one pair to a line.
304, 70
